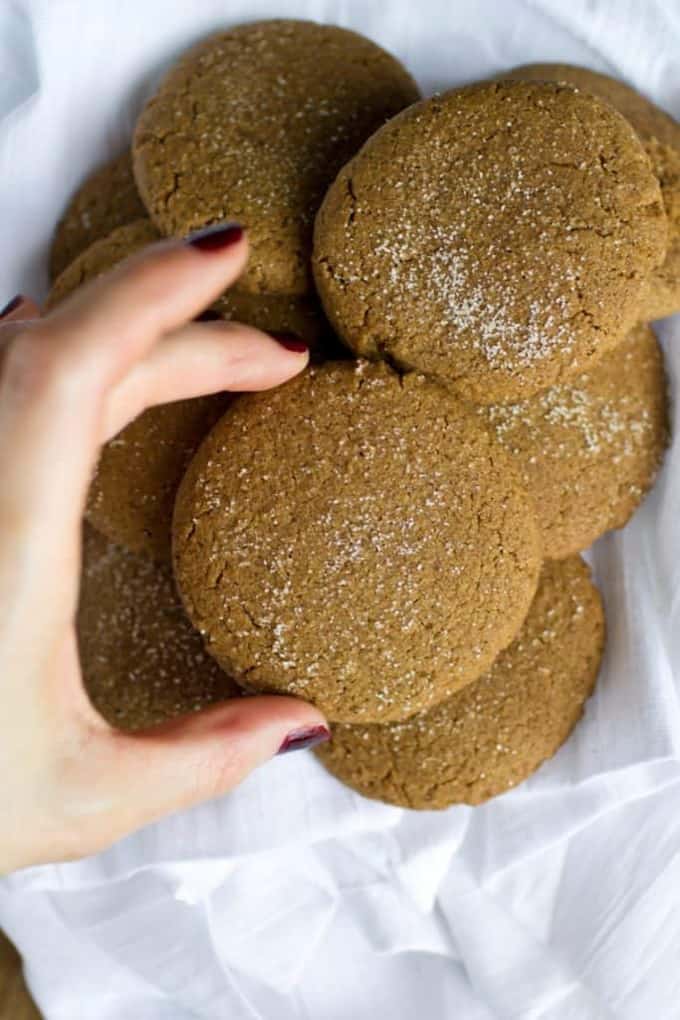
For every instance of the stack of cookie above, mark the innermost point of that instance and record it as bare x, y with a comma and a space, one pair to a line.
393, 535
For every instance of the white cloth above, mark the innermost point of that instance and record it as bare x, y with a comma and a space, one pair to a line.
295, 898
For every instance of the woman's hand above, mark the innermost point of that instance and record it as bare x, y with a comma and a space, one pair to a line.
70, 784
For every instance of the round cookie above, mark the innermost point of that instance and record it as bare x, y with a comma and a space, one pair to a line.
280, 313
101, 256
660, 135
357, 539
142, 661
499, 237
107, 199
662, 297
497, 731
253, 124
589, 450
133, 490
132, 493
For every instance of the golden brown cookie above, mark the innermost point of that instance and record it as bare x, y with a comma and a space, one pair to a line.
663, 296
253, 124
589, 450
142, 661
357, 539
133, 491
107, 199
660, 135
493, 734
132, 494
103, 254
280, 313
499, 237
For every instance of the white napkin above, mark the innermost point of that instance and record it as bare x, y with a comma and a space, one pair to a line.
295, 898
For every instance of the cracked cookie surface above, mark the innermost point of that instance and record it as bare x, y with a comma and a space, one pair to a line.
660, 135
589, 450
499, 237
253, 124
107, 199
142, 661
496, 732
355, 538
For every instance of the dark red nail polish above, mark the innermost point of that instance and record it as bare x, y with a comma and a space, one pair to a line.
11, 305
291, 342
208, 316
299, 740
217, 238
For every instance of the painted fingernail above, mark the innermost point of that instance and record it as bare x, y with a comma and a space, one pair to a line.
217, 238
291, 342
11, 305
299, 740
208, 316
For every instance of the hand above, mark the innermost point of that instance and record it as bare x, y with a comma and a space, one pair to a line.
70, 784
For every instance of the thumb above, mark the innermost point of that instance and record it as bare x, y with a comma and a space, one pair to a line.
183, 763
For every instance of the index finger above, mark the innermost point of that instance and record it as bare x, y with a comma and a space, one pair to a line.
111, 322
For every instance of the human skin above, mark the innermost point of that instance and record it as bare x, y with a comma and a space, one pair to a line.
70, 381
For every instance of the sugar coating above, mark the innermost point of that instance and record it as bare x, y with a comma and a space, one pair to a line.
496, 732
354, 538
142, 661
253, 124
589, 449
660, 136
499, 237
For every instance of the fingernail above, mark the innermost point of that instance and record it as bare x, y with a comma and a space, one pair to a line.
291, 342
217, 238
11, 305
299, 740
208, 316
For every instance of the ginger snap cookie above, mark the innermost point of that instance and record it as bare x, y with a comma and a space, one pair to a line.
281, 313
355, 538
499, 237
133, 490
101, 256
660, 135
253, 124
142, 661
496, 732
589, 450
107, 199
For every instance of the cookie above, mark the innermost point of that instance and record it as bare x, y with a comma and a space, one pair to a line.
253, 124
499, 237
280, 313
663, 295
133, 490
660, 135
107, 199
142, 661
496, 732
357, 539
132, 493
589, 450
101, 256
